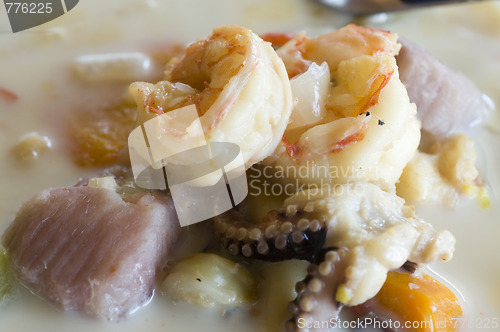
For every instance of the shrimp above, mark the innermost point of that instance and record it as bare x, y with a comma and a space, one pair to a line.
365, 127
237, 83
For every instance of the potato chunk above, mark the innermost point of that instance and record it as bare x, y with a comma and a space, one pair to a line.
209, 280
448, 171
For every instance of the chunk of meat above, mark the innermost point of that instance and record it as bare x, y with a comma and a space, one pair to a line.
447, 101
90, 250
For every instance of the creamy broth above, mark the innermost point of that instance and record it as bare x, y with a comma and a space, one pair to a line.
36, 65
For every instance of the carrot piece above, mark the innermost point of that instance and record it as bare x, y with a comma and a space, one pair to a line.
278, 39
421, 302
8, 95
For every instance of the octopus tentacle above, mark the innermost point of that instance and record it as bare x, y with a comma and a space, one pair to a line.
373, 230
315, 307
281, 235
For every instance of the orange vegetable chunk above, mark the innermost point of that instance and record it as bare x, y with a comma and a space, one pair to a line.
420, 300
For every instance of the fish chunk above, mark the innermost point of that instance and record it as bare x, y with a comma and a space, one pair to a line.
87, 249
447, 101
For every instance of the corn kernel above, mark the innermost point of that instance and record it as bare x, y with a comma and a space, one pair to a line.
342, 295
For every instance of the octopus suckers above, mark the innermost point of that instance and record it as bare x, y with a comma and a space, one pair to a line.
223, 227
234, 249
307, 303
297, 237
255, 234
325, 268
300, 287
291, 210
262, 248
331, 256
312, 269
309, 207
286, 227
315, 226
315, 285
246, 250
231, 232
271, 231
280, 242
241, 234
303, 224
